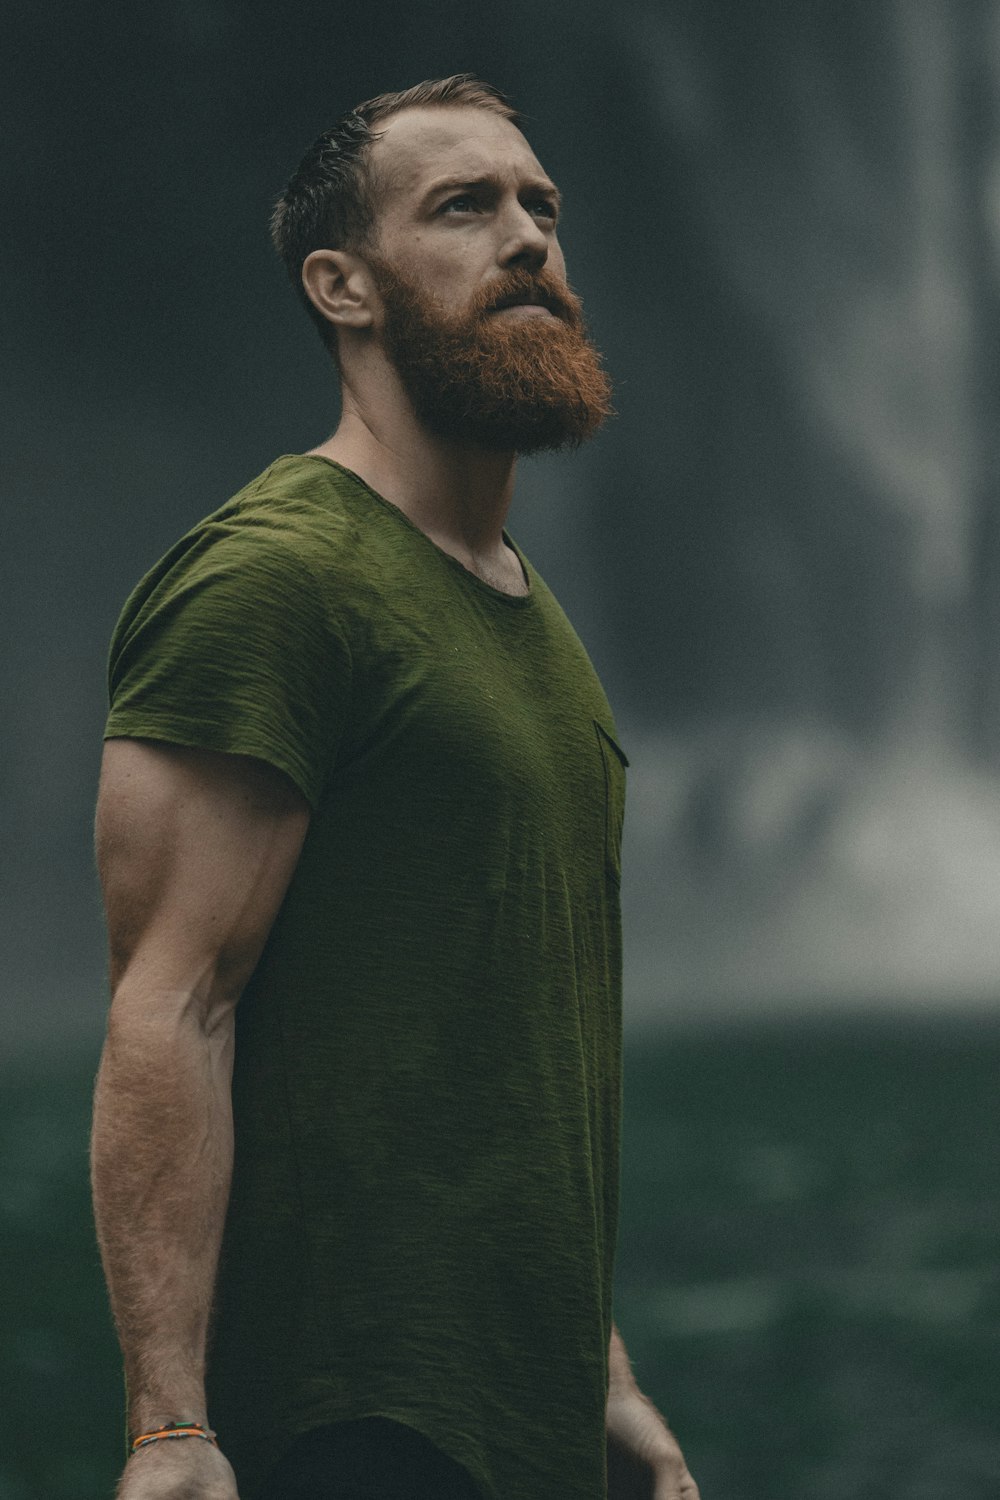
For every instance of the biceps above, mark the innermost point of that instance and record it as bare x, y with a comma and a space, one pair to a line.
195, 851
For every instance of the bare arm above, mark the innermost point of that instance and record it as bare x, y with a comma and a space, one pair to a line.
644, 1458
619, 1367
195, 851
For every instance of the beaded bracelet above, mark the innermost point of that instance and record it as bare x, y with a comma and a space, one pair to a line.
173, 1430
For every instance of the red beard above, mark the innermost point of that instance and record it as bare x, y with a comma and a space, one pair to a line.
505, 384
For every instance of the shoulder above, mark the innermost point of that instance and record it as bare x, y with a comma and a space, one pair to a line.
282, 539
291, 516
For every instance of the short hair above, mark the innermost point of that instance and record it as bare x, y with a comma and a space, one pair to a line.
332, 199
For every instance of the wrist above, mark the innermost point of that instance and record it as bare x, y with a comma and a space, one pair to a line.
150, 1409
173, 1432
179, 1417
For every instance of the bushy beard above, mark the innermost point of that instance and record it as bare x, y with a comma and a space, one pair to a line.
508, 384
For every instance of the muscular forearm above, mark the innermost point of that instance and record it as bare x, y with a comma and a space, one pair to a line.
161, 1161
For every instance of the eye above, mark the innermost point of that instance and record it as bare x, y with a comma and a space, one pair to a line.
462, 203
543, 208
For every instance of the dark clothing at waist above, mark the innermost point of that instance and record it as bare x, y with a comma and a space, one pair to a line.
373, 1458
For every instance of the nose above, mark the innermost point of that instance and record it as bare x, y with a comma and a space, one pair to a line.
526, 243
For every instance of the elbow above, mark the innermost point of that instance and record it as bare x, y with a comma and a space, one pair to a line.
151, 1002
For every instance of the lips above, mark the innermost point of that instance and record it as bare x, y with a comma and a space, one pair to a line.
536, 300
525, 312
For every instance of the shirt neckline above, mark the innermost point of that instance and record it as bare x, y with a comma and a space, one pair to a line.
518, 601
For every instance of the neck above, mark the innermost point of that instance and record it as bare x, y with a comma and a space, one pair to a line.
459, 495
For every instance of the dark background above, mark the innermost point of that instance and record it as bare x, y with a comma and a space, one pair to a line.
783, 557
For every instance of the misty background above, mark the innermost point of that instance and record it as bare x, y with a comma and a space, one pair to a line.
783, 557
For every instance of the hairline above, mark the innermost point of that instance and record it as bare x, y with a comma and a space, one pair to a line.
375, 184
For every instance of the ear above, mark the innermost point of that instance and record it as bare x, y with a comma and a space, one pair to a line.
337, 283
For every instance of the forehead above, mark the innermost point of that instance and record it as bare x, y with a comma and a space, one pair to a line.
417, 146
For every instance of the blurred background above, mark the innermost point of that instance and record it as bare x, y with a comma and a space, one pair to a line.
783, 557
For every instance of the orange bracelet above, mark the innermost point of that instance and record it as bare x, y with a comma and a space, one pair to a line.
173, 1430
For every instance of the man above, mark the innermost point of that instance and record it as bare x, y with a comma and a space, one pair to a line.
359, 830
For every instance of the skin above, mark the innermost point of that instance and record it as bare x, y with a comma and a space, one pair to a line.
645, 1461
195, 849
454, 239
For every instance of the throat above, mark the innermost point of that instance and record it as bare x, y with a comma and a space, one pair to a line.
504, 574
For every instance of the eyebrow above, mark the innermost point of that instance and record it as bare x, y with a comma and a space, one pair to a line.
490, 180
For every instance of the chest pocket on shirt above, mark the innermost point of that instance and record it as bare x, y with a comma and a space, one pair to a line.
615, 761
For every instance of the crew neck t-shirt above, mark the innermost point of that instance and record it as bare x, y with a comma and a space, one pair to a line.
427, 1080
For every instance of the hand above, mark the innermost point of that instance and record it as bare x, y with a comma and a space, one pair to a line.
178, 1469
644, 1459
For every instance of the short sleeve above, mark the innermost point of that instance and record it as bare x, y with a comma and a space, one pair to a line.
229, 645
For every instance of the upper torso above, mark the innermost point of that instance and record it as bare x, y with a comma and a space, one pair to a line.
427, 1084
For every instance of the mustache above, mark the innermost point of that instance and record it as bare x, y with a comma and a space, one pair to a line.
521, 285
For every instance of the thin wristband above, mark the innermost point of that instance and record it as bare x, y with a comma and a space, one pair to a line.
173, 1430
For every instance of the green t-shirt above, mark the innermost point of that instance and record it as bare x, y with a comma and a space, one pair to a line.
427, 1086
